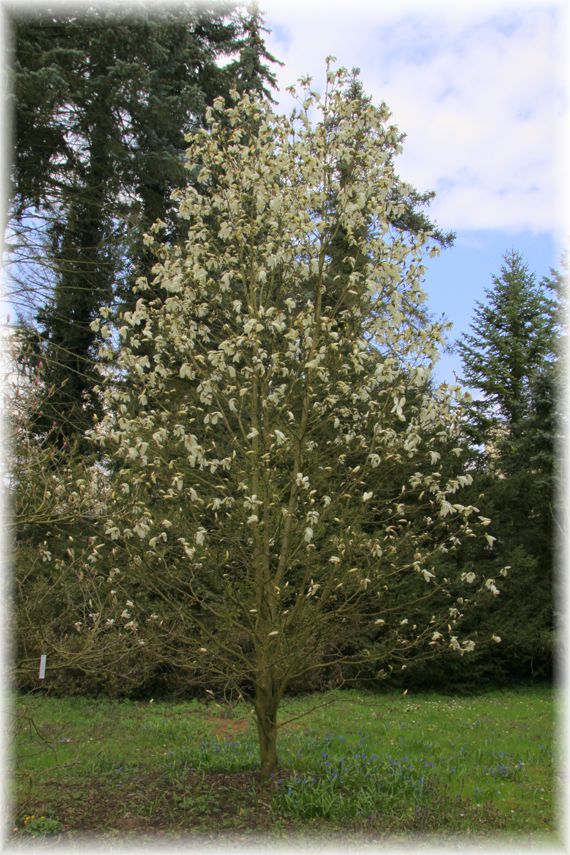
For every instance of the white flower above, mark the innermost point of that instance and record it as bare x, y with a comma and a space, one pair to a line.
379, 622
367, 496
200, 536
496, 639
397, 408
445, 509
490, 539
436, 636
273, 632
427, 575
468, 577
159, 436
334, 559
290, 303
468, 646
280, 437
252, 519
142, 528
434, 456
404, 622
308, 534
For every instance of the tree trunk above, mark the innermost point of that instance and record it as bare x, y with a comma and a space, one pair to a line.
266, 703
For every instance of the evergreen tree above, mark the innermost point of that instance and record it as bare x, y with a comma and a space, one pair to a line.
513, 341
511, 359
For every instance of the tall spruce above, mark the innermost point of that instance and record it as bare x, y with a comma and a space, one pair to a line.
511, 361
513, 342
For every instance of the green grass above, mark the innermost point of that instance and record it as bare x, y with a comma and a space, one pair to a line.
391, 764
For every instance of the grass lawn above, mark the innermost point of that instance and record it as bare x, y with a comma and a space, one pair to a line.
374, 766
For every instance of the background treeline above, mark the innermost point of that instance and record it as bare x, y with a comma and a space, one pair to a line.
101, 104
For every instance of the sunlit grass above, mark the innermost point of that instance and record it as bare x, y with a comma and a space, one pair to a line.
464, 765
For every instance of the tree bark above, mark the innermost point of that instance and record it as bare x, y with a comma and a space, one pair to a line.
266, 703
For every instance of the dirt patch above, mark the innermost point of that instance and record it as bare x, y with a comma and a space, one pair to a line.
132, 823
197, 801
226, 726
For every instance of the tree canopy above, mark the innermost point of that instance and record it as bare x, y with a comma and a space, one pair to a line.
258, 532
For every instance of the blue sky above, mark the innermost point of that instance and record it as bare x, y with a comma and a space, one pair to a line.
480, 91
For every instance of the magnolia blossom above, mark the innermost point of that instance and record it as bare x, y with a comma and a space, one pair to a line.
270, 408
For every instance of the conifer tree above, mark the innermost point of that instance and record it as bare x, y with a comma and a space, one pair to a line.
513, 340
511, 361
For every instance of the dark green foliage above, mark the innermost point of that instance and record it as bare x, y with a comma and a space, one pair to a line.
512, 344
511, 361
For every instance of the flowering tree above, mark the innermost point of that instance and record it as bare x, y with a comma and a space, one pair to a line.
56, 501
249, 412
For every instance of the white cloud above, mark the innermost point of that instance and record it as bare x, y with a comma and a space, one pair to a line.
477, 88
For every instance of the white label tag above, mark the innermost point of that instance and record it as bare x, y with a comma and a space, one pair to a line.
43, 658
